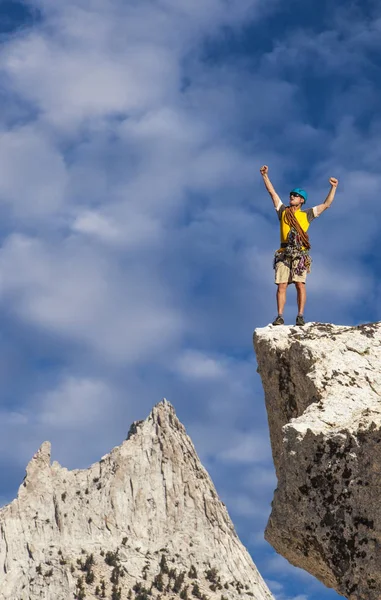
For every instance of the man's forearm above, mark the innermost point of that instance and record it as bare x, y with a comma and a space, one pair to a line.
329, 199
269, 186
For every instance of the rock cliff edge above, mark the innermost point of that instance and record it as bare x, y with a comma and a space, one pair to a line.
322, 388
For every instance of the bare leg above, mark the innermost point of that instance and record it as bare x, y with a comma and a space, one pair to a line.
281, 297
301, 296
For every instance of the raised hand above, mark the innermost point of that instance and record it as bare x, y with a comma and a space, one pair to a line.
264, 170
334, 182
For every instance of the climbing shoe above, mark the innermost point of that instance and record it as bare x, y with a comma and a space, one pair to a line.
279, 320
300, 320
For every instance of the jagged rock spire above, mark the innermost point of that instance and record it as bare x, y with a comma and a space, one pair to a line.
146, 517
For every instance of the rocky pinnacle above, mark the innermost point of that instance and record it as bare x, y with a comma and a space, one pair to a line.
322, 388
145, 522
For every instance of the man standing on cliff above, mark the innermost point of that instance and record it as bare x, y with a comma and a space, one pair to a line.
292, 261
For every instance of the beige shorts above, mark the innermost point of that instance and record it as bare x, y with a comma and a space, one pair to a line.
283, 274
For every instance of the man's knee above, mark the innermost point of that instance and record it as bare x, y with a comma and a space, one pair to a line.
300, 285
282, 287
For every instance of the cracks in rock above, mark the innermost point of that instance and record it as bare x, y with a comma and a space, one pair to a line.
286, 387
56, 513
164, 485
162, 463
30, 553
148, 456
371, 385
206, 510
360, 352
132, 488
6, 547
364, 354
134, 429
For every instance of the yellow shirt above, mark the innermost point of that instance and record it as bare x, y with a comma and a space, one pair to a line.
304, 218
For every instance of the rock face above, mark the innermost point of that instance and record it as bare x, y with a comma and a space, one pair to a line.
146, 517
323, 395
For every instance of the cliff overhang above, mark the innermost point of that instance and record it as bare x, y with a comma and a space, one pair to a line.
322, 388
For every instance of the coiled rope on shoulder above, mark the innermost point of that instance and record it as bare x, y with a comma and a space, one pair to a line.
293, 222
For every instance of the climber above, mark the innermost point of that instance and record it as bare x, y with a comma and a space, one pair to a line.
292, 261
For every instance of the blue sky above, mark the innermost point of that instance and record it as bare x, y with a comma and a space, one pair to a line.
136, 235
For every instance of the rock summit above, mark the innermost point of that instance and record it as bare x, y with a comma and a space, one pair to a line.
143, 523
322, 388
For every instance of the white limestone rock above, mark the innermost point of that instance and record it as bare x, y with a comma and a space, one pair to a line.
322, 388
147, 515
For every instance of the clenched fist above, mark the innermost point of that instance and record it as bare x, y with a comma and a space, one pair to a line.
264, 170
333, 181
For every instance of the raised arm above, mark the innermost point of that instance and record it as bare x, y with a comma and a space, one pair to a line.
269, 186
329, 199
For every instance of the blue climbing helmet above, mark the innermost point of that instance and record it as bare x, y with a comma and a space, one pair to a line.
301, 192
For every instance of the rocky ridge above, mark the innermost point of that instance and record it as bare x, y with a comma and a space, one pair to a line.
322, 388
144, 523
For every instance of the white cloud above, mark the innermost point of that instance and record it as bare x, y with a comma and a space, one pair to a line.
332, 277
75, 403
92, 223
242, 505
90, 61
257, 539
280, 594
260, 477
279, 565
84, 82
137, 230
249, 448
275, 586
80, 295
33, 175
197, 365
